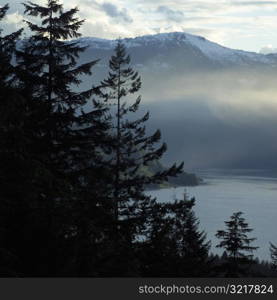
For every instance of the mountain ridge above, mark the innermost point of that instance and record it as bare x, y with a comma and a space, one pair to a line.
209, 49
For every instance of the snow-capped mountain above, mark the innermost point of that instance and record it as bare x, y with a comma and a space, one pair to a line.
181, 46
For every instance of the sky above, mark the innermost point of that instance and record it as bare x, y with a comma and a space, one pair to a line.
240, 24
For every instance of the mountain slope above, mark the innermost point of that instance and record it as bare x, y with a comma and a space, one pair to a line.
196, 46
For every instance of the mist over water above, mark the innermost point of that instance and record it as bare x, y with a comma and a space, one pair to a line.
211, 114
217, 120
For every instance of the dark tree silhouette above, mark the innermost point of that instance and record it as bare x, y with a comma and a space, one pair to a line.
237, 244
64, 149
133, 151
191, 242
273, 254
175, 246
12, 141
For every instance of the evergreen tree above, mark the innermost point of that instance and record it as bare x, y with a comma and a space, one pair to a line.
175, 247
12, 141
133, 151
191, 242
158, 252
67, 145
237, 244
273, 254
7, 49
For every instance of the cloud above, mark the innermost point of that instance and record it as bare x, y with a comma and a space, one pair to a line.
234, 23
114, 12
172, 15
255, 3
12, 22
268, 49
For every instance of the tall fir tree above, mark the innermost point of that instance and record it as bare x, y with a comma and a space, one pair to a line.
237, 244
12, 144
67, 143
133, 152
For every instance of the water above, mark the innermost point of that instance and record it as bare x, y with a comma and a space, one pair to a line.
225, 192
